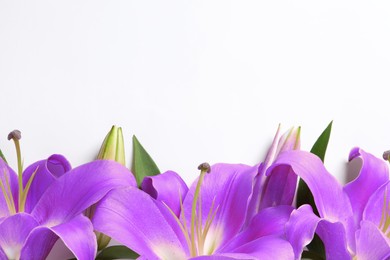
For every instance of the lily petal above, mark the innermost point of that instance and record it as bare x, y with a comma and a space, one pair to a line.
230, 256
2, 254
7, 175
300, 228
304, 223
13, 232
332, 203
132, 217
371, 243
373, 174
269, 221
77, 234
168, 187
335, 240
38, 244
279, 188
374, 210
80, 188
229, 186
46, 172
268, 248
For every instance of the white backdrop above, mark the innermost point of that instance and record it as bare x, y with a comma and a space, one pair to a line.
193, 80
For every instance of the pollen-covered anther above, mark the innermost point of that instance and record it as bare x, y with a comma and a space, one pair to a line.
15, 134
204, 167
386, 155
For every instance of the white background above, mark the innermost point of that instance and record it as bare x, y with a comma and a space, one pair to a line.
194, 80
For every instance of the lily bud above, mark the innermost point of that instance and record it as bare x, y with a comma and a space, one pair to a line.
111, 149
113, 146
290, 140
281, 143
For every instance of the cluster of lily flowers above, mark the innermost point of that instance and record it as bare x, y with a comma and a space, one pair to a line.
285, 207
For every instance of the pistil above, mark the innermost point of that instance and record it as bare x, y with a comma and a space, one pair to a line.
204, 168
16, 136
6, 187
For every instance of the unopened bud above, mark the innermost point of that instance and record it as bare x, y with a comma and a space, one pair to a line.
113, 146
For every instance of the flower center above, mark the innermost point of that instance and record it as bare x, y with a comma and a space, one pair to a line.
196, 233
5, 184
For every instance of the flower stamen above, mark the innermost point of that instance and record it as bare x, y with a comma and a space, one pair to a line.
26, 190
6, 190
188, 240
16, 136
182, 227
204, 168
385, 218
209, 220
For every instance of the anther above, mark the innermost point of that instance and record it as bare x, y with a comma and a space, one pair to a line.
386, 155
16, 135
204, 167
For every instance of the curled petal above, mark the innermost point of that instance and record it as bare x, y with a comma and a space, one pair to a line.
301, 227
47, 171
373, 173
304, 223
133, 218
335, 240
168, 187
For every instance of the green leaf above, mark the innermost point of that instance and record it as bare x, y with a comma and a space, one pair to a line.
311, 255
320, 146
304, 195
116, 252
2, 156
142, 165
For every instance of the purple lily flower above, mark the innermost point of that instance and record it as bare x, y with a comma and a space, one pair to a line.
50, 206
204, 221
354, 219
